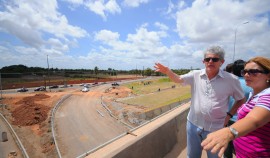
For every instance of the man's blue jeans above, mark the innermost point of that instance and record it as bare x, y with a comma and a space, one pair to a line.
195, 135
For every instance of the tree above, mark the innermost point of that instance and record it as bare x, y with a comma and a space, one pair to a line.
15, 68
110, 71
148, 72
96, 70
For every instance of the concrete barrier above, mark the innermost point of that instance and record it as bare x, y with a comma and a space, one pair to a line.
154, 140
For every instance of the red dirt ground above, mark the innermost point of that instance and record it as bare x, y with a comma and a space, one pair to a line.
30, 112
29, 115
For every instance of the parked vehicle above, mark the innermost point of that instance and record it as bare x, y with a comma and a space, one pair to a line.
53, 86
85, 89
82, 84
22, 90
95, 83
115, 84
64, 86
41, 88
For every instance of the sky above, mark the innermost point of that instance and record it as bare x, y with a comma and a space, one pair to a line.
130, 34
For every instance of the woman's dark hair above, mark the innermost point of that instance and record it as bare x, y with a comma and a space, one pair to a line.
238, 65
229, 68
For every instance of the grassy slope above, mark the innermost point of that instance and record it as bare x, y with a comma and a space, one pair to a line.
150, 97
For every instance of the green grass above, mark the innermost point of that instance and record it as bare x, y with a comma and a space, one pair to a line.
151, 98
139, 87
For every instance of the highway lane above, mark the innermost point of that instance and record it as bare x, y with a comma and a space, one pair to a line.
83, 124
30, 90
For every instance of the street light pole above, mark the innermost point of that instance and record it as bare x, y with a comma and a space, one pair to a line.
235, 31
1, 85
48, 72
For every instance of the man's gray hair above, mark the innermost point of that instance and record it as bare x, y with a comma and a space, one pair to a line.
215, 50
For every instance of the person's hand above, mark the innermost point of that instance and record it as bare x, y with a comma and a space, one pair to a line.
161, 68
217, 141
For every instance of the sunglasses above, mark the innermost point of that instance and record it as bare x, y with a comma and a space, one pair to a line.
252, 72
213, 59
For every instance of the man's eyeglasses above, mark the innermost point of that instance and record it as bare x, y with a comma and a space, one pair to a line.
252, 72
213, 59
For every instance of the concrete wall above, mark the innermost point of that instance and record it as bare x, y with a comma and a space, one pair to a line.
154, 140
158, 111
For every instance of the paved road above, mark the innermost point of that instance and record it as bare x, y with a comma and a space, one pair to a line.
83, 124
8, 146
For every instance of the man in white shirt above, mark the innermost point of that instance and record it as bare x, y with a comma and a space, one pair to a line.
210, 88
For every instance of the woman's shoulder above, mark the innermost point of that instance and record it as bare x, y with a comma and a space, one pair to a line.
265, 92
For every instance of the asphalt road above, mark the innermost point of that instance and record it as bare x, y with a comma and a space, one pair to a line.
8, 146
83, 124
30, 90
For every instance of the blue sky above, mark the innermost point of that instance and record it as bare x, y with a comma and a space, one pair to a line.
130, 34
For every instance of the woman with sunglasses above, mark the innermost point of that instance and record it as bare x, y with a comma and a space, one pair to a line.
236, 68
251, 133
210, 88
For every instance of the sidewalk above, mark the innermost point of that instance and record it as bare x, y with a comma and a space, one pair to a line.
184, 154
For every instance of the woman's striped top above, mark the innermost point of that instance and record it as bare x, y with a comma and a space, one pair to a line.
256, 144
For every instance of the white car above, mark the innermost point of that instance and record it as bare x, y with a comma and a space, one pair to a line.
85, 89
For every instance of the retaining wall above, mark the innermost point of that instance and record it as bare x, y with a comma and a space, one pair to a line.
153, 140
158, 111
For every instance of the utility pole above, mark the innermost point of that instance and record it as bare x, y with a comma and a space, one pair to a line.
143, 72
1, 86
48, 72
136, 71
235, 31
1, 104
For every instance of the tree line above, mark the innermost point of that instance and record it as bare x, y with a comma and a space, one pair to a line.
19, 70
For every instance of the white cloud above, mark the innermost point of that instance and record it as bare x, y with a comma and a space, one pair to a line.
76, 2
174, 7
57, 45
170, 7
161, 26
21, 31
134, 3
113, 7
106, 36
5, 54
29, 21
44, 28
206, 18
215, 22
143, 45
100, 7
145, 37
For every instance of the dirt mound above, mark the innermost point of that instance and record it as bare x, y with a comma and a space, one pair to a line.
29, 112
118, 92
